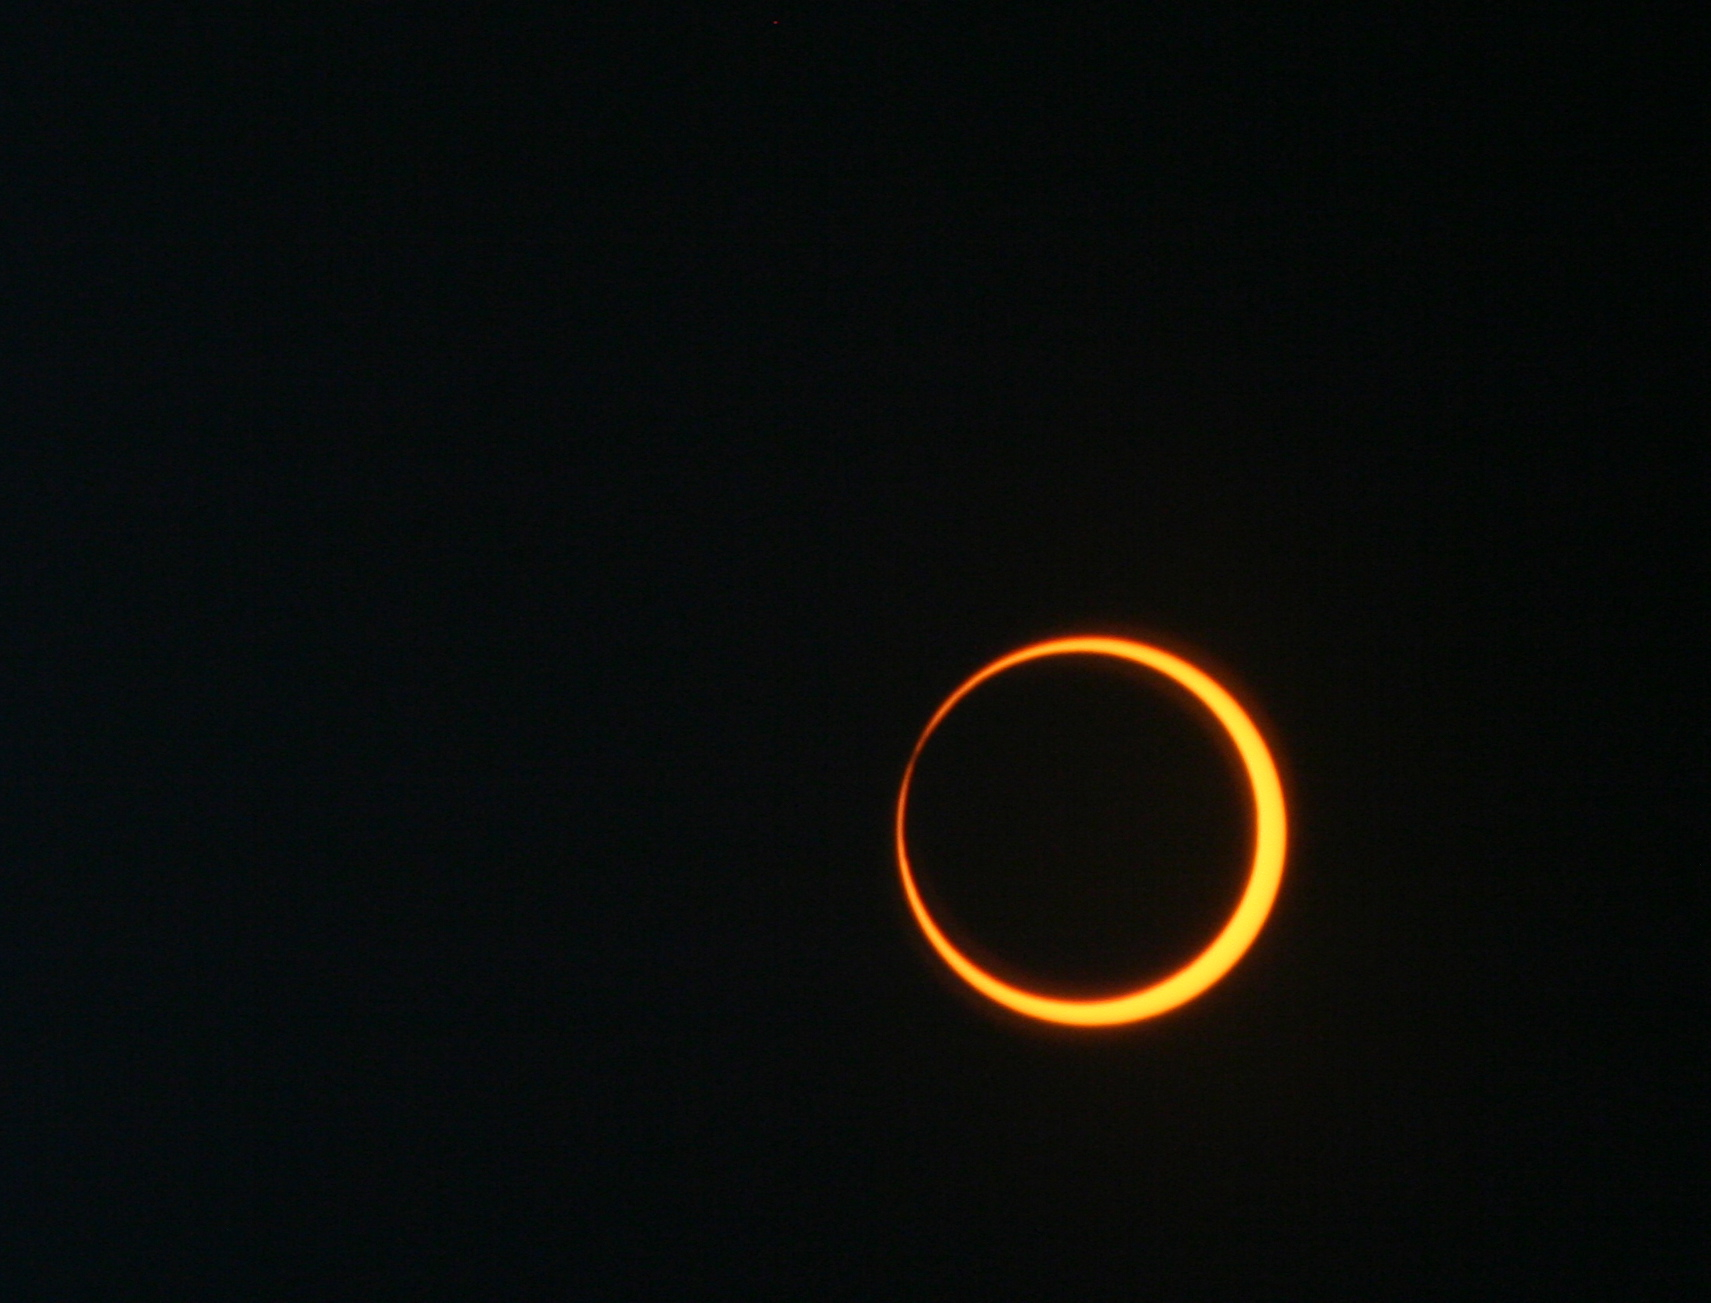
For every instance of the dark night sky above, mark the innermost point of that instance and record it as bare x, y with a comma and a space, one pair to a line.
492, 495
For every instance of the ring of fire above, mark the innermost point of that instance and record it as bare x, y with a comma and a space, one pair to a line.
1264, 876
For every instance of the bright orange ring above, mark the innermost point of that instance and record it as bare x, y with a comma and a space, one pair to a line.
1270, 841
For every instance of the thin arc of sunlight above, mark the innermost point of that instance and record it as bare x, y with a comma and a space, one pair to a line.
1264, 876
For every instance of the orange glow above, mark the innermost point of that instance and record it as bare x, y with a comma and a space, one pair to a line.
1264, 877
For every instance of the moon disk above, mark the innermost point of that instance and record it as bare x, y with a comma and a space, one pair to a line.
1264, 876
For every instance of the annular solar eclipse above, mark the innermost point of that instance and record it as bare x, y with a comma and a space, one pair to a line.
1265, 873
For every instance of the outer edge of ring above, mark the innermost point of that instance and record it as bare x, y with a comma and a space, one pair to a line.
1265, 875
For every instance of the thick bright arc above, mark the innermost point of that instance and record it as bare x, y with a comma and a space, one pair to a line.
1264, 877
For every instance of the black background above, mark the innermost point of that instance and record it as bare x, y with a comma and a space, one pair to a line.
492, 495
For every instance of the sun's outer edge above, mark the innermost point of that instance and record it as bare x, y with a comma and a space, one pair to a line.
1265, 875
